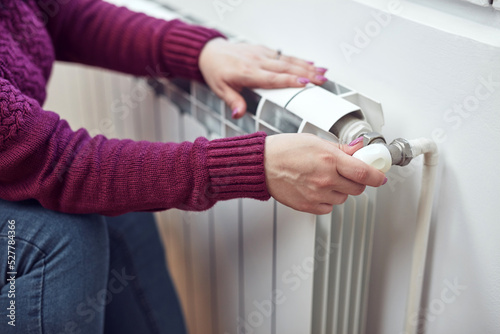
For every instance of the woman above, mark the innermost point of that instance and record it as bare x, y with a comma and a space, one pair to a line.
72, 270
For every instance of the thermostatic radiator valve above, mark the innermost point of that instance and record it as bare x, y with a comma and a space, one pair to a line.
377, 153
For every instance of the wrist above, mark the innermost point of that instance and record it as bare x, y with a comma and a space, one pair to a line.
204, 59
182, 46
236, 167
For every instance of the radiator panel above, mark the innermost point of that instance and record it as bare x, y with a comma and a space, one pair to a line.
257, 274
227, 230
294, 268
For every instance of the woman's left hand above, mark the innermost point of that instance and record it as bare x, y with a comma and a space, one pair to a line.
228, 67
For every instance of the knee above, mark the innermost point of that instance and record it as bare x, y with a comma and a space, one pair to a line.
84, 237
79, 236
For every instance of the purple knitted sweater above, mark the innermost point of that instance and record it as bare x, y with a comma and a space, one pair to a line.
41, 157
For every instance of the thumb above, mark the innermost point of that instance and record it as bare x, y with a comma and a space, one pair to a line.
353, 146
234, 100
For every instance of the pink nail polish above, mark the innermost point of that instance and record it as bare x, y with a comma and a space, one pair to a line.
235, 112
356, 141
321, 70
321, 78
303, 81
310, 62
385, 181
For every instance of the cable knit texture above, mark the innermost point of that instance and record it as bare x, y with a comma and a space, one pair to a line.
69, 171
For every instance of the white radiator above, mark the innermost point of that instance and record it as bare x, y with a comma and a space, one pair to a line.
244, 266
244, 258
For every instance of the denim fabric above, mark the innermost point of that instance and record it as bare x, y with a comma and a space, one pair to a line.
85, 274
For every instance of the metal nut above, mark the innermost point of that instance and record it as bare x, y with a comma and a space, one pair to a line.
401, 152
373, 137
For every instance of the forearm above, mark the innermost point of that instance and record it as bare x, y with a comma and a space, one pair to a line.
69, 171
97, 33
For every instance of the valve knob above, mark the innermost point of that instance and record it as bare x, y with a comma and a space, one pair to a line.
376, 155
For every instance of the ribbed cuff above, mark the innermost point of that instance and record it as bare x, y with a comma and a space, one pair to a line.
236, 167
181, 48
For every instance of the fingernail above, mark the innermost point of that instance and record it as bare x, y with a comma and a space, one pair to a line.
321, 70
310, 62
321, 78
385, 181
235, 112
355, 141
303, 81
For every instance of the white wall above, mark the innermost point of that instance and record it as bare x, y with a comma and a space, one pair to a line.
420, 72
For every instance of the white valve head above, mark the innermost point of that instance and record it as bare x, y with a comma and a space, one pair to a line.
376, 155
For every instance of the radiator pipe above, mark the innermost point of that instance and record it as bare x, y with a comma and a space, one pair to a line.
428, 148
400, 152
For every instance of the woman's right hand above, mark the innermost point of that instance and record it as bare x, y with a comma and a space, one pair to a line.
311, 174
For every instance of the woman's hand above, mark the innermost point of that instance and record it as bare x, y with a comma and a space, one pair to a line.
228, 67
310, 174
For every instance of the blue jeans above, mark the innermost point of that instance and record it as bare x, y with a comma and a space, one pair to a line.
89, 274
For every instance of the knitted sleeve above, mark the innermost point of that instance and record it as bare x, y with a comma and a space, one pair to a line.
68, 171
97, 33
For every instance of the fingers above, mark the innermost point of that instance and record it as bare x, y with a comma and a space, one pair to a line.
268, 79
359, 172
296, 61
272, 54
349, 187
322, 209
352, 147
335, 198
296, 67
234, 100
